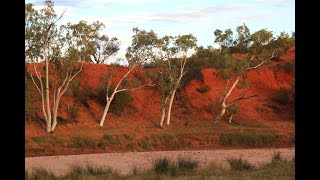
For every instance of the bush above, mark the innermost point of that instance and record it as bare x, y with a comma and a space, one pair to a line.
276, 109
80, 142
84, 95
238, 164
282, 96
161, 165
204, 89
187, 163
111, 140
120, 100
73, 112
251, 140
210, 108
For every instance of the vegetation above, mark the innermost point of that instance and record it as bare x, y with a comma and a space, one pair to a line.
282, 96
80, 142
238, 164
164, 168
203, 89
250, 140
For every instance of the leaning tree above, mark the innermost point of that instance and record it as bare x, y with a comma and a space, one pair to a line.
140, 51
232, 70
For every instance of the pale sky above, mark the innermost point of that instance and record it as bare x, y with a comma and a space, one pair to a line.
174, 17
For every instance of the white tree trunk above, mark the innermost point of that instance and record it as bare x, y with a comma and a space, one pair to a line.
223, 111
47, 94
223, 105
230, 119
170, 106
105, 112
163, 115
55, 110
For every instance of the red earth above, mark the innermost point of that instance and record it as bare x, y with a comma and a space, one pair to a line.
191, 127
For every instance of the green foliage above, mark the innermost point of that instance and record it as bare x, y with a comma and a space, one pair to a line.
203, 89
239, 164
81, 142
250, 140
281, 96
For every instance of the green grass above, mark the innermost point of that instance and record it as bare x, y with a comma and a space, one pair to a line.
80, 142
250, 140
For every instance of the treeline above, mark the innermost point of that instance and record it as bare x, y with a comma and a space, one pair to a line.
65, 48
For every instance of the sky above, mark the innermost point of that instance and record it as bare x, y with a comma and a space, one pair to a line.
174, 17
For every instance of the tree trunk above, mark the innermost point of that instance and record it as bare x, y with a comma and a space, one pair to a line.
55, 110
47, 96
170, 106
223, 111
163, 115
223, 105
230, 119
105, 112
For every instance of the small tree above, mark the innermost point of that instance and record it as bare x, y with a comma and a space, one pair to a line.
140, 51
233, 69
172, 56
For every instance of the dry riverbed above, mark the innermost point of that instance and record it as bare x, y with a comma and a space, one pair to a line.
124, 162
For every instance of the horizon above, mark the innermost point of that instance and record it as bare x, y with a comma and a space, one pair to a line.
177, 17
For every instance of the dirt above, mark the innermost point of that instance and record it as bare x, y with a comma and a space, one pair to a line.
124, 162
191, 120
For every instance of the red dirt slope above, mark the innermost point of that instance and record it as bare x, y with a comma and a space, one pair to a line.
191, 120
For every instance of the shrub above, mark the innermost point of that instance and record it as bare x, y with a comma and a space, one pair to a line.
210, 108
238, 164
203, 89
276, 157
119, 101
112, 140
281, 96
161, 165
40, 173
275, 108
251, 140
187, 163
84, 95
80, 142
73, 112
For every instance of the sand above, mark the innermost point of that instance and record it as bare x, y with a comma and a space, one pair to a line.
124, 162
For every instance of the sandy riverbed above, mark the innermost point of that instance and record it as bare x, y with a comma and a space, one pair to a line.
124, 162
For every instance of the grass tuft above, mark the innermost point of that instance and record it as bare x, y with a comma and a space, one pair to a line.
239, 164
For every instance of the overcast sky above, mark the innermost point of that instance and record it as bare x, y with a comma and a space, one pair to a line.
174, 17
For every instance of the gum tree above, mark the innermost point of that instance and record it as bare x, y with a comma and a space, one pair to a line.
44, 40
172, 53
232, 69
139, 52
